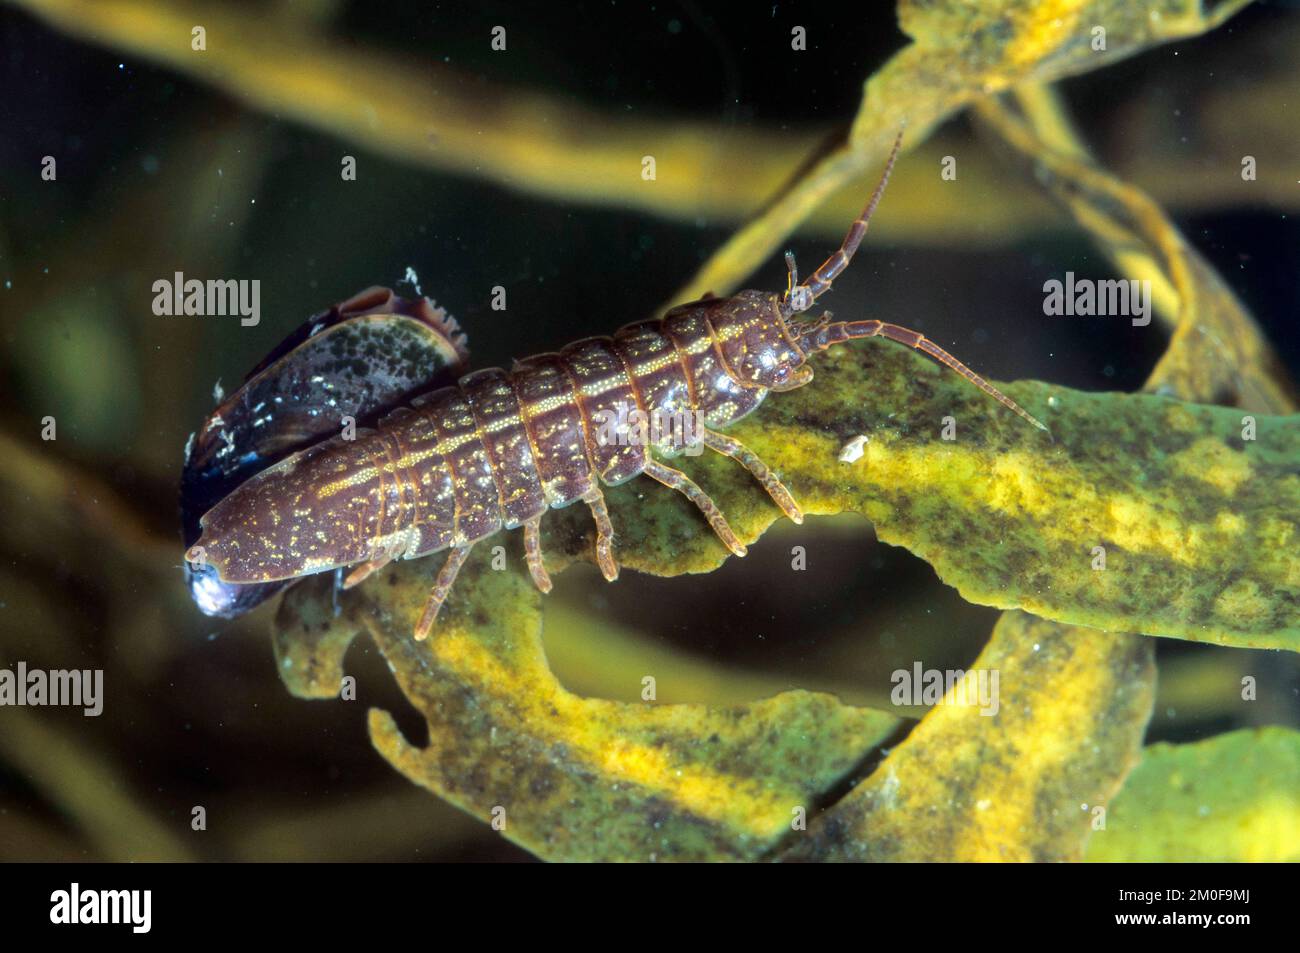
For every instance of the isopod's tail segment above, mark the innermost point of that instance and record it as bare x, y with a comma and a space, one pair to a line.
823, 335
442, 586
800, 297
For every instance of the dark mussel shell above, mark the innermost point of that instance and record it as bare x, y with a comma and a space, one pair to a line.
361, 358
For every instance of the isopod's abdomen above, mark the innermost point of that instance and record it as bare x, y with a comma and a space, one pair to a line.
461, 451
663, 388
492, 399
363, 356
605, 391
323, 508
548, 405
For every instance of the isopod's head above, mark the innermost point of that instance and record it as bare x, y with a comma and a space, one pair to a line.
756, 343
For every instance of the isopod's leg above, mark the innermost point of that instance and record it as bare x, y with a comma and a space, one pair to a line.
533, 553
604, 534
679, 481
365, 571
750, 461
446, 576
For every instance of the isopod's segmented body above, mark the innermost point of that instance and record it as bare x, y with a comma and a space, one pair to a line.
497, 449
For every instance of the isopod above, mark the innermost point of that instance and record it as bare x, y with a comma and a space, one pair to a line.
498, 448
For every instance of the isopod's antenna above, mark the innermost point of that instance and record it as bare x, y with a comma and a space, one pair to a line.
821, 334
825, 334
800, 297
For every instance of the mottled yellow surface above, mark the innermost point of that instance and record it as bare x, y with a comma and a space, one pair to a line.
1234, 797
1017, 786
573, 778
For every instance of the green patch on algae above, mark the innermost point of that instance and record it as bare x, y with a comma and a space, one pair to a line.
1234, 797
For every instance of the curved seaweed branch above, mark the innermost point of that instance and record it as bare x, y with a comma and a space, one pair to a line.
434, 116
961, 53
